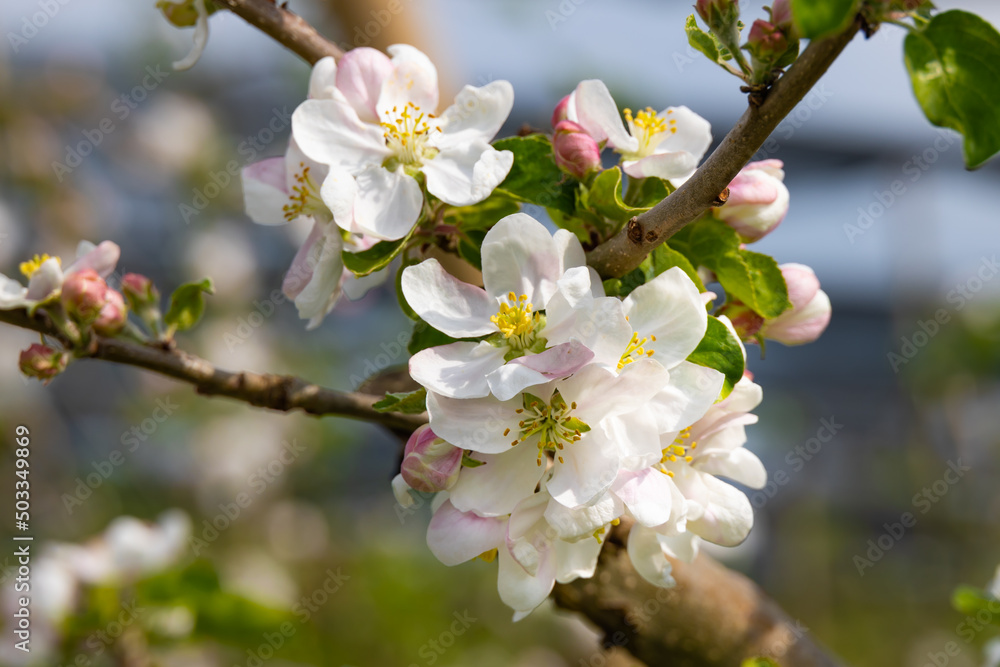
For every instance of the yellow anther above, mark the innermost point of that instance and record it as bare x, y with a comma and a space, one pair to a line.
635, 350
28, 268
304, 198
488, 556
516, 321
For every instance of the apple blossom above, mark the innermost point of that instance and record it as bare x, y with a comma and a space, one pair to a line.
113, 315
84, 294
526, 270
721, 16
767, 44
45, 275
781, 16
429, 463
575, 151
42, 362
380, 130
810, 312
668, 144
758, 200
139, 291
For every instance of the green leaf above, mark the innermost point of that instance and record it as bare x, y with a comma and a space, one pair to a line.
605, 197
534, 178
483, 215
816, 19
407, 403
470, 247
954, 66
720, 349
651, 192
375, 258
425, 336
970, 601
701, 40
187, 304
664, 257
754, 279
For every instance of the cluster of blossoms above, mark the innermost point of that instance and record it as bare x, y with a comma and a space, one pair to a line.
568, 410
369, 157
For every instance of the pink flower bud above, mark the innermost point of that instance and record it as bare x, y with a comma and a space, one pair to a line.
781, 15
139, 290
84, 294
766, 43
42, 362
561, 111
113, 315
721, 16
429, 463
810, 312
576, 151
758, 200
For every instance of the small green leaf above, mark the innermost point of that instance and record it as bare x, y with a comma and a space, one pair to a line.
605, 197
469, 462
701, 40
407, 403
651, 192
664, 257
187, 304
754, 279
954, 66
534, 178
375, 258
425, 336
816, 20
720, 349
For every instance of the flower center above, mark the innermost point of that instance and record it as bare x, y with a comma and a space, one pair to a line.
682, 447
304, 198
406, 134
649, 129
552, 422
636, 349
28, 268
516, 321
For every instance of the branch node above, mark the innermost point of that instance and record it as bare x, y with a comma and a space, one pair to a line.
635, 231
721, 199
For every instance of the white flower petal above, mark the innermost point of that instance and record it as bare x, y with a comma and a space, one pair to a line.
339, 192
647, 495
496, 487
648, 558
481, 424
476, 115
576, 560
46, 279
520, 256
330, 132
458, 370
581, 523
402, 491
690, 393
727, 515
388, 203
446, 303
589, 467
320, 294
305, 260
362, 73
559, 361
674, 167
455, 537
465, 174
101, 258
518, 589
323, 78
740, 465
12, 294
413, 79
264, 193
571, 255
670, 308
693, 135
597, 113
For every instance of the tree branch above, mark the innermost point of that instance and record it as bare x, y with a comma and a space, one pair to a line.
285, 27
643, 233
714, 617
275, 392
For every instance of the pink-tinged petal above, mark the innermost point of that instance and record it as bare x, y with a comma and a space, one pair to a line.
577, 560
301, 270
323, 78
388, 203
321, 293
446, 303
362, 73
496, 487
804, 326
753, 187
466, 174
507, 381
520, 256
330, 132
476, 115
483, 425
726, 517
458, 370
455, 537
646, 494
597, 113
802, 284
101, 258
413, 79
264, 191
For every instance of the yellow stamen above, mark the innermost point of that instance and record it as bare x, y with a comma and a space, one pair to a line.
517, 322
28, 268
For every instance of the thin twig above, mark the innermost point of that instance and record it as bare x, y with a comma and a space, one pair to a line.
285, 27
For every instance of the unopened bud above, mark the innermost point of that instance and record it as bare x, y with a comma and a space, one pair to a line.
758, 200
766, 44
810, 312
42, 362
781, 16
84, 294
429, 463
722, 17
575, 151
113, 315
561, 112
139, 291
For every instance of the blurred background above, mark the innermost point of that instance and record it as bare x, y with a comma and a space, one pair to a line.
321, 545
